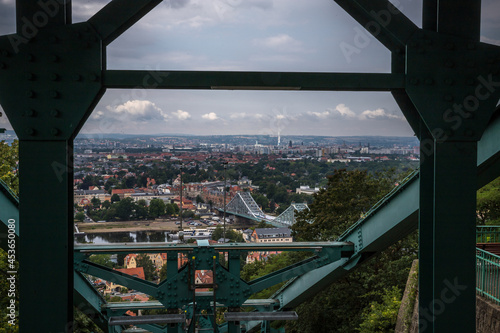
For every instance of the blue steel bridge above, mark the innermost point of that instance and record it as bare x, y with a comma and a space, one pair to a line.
444, 79
243, 205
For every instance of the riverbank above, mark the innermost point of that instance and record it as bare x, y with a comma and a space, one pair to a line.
150, 225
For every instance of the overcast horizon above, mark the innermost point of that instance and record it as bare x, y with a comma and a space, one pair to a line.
248, 35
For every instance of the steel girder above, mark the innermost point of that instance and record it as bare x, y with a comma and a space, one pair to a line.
392, 218
244, 204
51, 79
448, 94
287, 218
178, 290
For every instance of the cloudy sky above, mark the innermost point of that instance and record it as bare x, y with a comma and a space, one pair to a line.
250, 35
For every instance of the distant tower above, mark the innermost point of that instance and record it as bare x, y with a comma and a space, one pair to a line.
290, 144
279, 138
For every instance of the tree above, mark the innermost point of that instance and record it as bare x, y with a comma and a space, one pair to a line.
348, 195
163, 272
382, 316
106, 204
96, 203
488, 203
79, 216
102, 259
217, 234
199, 199
9, 157
125, 208
169, 209
156, 208
141, 209
148, 266
115, 198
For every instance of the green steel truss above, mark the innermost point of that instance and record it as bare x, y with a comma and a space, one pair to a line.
287, 218
445, 81
244, 205
178, 290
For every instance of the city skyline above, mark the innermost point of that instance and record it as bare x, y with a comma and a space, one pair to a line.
250, 35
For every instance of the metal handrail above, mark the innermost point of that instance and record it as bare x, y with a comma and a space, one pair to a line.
488, 234
488, 275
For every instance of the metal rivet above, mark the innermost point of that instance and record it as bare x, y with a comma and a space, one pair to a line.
54, 113
54, 77
30, 93
93, 77
54, 58
77, 77
448, 81
30, 57
429, 81
54, 131
54, 94
30, 131
448, 98
29, 113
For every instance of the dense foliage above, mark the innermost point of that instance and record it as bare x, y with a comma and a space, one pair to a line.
488, 203
345, 305
9, 157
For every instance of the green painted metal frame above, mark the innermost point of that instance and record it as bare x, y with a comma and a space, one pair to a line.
434, 69
231, 291
488, 275
488, 234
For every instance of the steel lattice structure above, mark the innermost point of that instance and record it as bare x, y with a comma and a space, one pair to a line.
444, 79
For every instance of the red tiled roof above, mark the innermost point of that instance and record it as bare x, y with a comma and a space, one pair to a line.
137, 272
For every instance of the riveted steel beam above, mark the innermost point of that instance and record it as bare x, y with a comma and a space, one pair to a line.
383, 20
121, 79
461, 18
119, 15
89, 301
32, 15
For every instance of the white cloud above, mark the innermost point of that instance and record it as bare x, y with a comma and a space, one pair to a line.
210, 116
240, 115
136, 110
378, 114
281, 42
181, 115
340, 111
